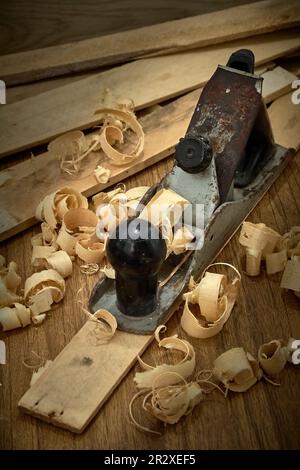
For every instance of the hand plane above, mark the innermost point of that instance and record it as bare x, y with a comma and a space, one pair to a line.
225, 163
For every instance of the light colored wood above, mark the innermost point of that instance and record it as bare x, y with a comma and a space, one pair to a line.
82, 377
20, 92
286, 131
41, 175
198, 31
163, 129
291, 64
276, 83
40, 118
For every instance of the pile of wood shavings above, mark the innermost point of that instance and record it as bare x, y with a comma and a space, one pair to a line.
279, 252
116, 117
168, 395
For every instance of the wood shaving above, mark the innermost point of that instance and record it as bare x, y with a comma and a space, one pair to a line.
102, 174
13, 317
260, 241
108, 271
77, 224
165, 205
170, 403
90, 250
55, 205
105, 327
9, 283
184, 368
42, 289
89, 269
291, 275
71, 149
272, 357
117, 121
177, 242
237, 370
215, 297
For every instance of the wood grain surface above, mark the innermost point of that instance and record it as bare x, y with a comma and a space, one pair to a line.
31, 24
163, 128
265, 417
147, 81
171, 36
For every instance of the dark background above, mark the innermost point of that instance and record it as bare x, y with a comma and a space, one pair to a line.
31, 24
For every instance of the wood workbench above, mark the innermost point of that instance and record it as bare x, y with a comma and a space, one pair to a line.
265, 417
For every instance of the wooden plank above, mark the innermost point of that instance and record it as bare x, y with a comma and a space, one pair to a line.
276, 83
163, 128
286, 131
198, 31
42, 174
20, 92
82, 377
42, 117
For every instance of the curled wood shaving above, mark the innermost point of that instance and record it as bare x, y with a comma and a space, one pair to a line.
215, 296
105, 326
165, 206
170, 403
291, 275
14, 317
89, 269
102, 174
71, 149
275, 262
292, 241
157, 374
90, 250
9, 283
108, 271
272, 357
112, 133
78, 224
105, 198
237, 370
48, 281
55, 205
177, 242
260, 241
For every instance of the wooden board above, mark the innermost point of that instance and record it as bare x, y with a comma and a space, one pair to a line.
82, 377
276, 83
286, 131
20, 92
42, 175
42, 117
198, 31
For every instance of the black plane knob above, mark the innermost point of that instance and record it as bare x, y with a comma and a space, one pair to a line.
136, 250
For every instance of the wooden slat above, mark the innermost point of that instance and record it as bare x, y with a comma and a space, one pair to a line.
42, 117
82, 377
42, 174
198, 31
163, 128
286, 131
21, 92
